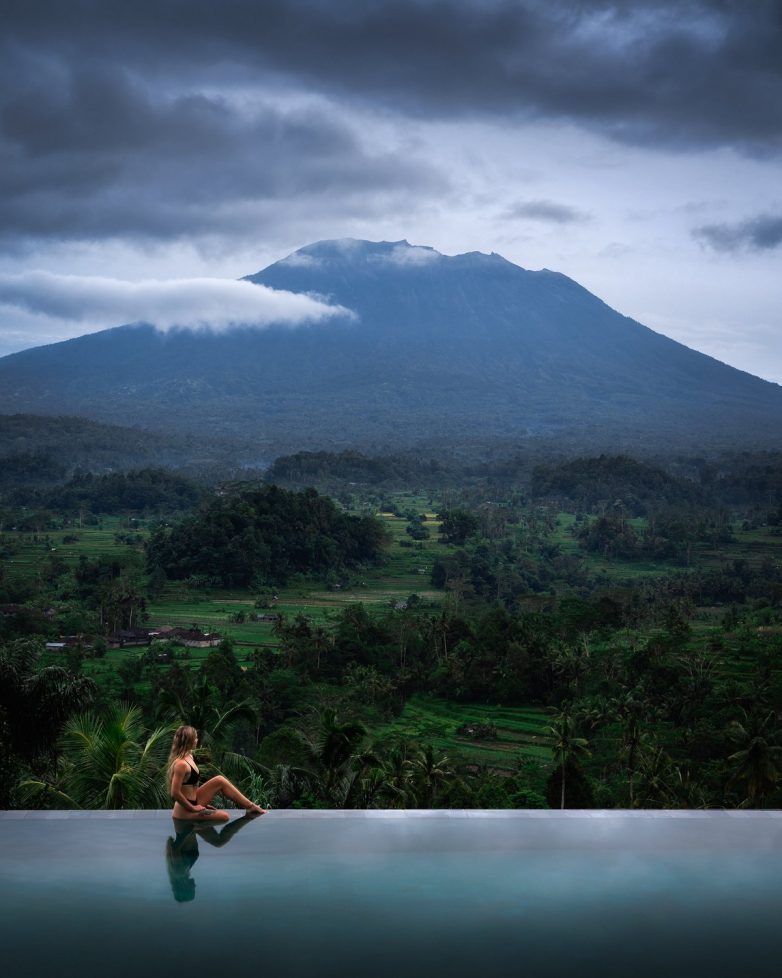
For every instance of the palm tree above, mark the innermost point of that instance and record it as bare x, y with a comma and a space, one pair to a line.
571, 663
633, 711
215, 736
370, 787
397, 769
664, 784
109, 761
276, 787
334, 760
567, 746
756, 765
321, 642
431, 772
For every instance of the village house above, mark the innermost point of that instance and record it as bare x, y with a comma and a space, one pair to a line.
192, 638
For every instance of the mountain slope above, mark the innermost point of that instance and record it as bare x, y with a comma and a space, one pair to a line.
466, 347
40, 450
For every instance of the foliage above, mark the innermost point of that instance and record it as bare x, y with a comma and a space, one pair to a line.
35, 701
108, 761
594, 484
36, 450
265, 534
330, 469
457, 525
138, 491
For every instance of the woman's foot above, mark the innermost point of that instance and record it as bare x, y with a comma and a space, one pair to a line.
255, 810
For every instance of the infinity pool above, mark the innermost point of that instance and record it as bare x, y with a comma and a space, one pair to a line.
355, 894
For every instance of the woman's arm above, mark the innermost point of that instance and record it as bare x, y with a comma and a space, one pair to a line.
180, 769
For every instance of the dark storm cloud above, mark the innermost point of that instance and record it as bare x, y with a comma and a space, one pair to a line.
89, 151
175, 117
547, 211
760, 233
674, 72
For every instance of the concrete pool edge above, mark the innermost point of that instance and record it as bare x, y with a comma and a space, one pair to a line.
395, 813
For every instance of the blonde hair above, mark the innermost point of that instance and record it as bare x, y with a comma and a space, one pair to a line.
185, 739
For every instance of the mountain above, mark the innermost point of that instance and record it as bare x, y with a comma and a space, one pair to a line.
440, 349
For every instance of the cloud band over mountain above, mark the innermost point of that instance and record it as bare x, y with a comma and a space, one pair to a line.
200, 303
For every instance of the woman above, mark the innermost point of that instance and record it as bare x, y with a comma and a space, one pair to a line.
191, 798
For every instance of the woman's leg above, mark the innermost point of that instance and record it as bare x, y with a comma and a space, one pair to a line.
185, 815
220, 785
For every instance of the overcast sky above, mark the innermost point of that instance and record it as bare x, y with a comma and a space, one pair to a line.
635, 146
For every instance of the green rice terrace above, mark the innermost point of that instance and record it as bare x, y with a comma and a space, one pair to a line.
404, 572
491, 735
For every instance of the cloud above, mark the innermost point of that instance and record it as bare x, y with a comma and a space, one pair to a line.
215, 124
407, 255
547, 211
300, 259
93, 151
761, 233
199, 303
661, 72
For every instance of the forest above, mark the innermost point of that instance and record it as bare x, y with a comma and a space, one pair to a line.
583, 632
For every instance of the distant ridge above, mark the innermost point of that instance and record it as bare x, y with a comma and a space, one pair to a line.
441, 350
40, 450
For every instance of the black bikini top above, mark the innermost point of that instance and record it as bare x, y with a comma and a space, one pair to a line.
194, 778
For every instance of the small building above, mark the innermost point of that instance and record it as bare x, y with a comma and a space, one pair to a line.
127, 637
193, 638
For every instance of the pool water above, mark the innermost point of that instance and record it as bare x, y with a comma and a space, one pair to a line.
355, 894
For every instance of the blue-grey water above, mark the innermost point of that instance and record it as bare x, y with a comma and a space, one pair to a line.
394, 894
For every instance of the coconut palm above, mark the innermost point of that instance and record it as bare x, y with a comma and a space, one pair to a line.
214, 720
278, 786
322, 642
757, 765
571, 664
109, 761
333, 759
663, 783
397, 770
567, 746
431, 772
633, 711
370, 787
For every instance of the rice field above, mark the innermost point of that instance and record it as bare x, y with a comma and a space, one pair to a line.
24, 554
404, 571
520, 731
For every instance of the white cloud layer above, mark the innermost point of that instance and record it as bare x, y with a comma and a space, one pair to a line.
195, 303
410, 255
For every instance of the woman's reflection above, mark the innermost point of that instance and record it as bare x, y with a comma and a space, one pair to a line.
182, 850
